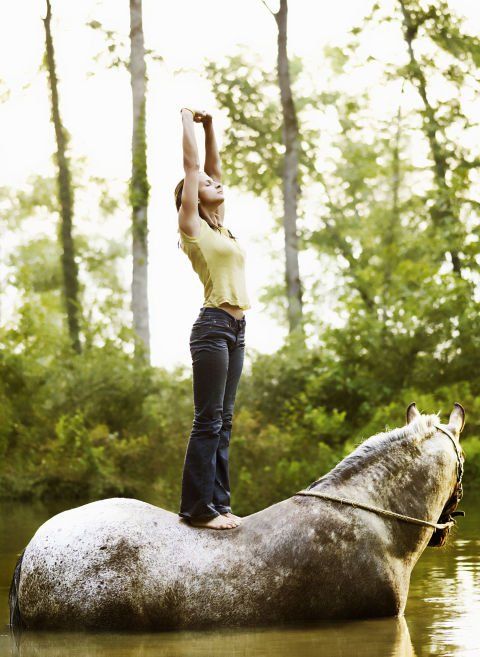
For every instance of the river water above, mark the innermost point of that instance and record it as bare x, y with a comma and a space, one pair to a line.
442, 617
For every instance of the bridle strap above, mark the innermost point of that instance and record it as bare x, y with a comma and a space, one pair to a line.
392, 514
376, 509
454, 443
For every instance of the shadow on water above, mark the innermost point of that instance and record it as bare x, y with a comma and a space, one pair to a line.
387, 637
441, 617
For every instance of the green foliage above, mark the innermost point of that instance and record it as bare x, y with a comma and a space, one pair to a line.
76, 426
269, 462
115, 51
252, 151
104, 423
471, 448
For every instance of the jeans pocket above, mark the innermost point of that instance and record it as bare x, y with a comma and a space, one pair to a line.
201, 329
198, 330
210, 322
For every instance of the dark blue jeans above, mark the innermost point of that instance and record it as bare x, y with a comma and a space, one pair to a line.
217, 346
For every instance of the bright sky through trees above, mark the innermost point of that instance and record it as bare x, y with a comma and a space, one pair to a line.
96, 109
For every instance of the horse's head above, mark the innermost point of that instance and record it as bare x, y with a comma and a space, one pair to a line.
452, 431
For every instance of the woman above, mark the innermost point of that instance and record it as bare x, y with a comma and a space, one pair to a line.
217, 339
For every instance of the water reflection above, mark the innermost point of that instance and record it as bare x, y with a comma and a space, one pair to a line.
443, 609
457, 604
383, 637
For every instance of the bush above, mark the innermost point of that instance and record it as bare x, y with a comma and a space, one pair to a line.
104, 424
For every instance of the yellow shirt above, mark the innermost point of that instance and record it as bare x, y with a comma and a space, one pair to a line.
219, 262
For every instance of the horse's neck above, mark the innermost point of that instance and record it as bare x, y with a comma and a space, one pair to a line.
407, 481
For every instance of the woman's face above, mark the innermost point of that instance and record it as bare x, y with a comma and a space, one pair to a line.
210, 192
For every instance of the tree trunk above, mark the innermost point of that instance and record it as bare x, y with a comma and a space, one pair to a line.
139, 187
65, 194
394, 223
289, 175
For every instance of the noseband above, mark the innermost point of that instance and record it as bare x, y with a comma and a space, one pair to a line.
457, 493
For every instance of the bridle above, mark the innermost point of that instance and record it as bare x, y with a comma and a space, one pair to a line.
399, 516
457, 453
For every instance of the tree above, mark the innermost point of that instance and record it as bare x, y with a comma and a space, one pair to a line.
116, 57
409, 321
442, 63
253, 150
65, 194
31, 260
443, 212
290, 174
139, 186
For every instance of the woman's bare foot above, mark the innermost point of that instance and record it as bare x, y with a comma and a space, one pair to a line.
218, 522
237, 519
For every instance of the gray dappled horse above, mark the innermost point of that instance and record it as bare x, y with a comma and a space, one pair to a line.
123, 564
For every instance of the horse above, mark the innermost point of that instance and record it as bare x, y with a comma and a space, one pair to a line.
342, 548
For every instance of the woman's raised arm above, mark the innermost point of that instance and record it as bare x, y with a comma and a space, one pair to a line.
188, 212
213, 165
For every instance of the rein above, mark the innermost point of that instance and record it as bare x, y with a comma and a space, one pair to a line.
392, 514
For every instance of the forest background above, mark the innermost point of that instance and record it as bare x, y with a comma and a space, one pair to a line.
352, 170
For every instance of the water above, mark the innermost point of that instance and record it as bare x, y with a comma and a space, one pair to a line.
442, 617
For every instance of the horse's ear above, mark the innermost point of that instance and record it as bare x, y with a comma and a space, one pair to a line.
412, 412
457, 417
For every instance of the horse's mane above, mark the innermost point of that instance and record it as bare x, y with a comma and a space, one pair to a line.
371, 448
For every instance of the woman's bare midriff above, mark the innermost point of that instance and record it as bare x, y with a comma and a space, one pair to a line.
233, 310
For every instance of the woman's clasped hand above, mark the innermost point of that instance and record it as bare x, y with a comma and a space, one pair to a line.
199, 116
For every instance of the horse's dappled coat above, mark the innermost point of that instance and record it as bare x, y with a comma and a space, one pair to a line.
121, 563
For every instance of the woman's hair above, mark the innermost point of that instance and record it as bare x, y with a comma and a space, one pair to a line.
178, 194
178, 203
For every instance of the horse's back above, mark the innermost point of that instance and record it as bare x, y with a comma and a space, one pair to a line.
99, 560
123, 563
